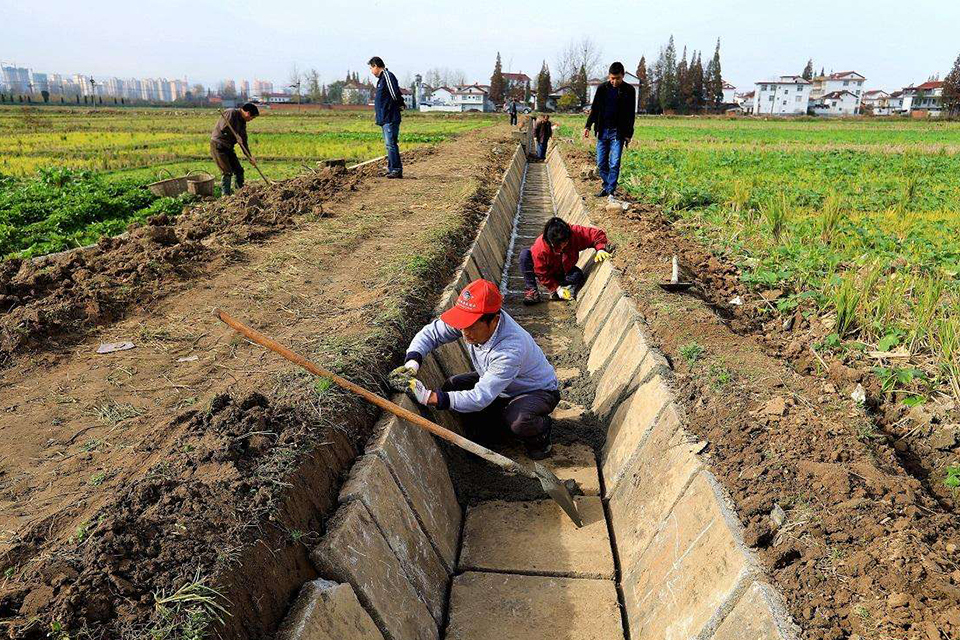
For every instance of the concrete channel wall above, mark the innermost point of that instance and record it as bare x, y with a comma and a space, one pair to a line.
684, 569
389, 552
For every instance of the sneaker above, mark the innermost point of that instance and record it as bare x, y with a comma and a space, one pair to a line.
396, 175
612, 199
540, 447
601, 193
531, 296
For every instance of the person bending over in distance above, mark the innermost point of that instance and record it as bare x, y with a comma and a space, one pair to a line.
612, 116
542, 133
552, 260
512, 386
387, 105
222, 141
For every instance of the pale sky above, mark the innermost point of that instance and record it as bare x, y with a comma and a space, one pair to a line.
893, 43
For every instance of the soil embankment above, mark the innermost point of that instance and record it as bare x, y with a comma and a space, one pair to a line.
196, 458
858, 544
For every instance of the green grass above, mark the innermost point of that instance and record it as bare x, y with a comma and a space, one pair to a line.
856, 219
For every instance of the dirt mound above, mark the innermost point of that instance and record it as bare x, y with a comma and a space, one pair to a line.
859, 546
61, 297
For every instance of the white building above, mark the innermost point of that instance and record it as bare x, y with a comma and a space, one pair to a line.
746, 101
15, 79
844, 81
923, 99
473, 97
788, 95
873, 101
439, 99
836, 103
276, 98
729, 93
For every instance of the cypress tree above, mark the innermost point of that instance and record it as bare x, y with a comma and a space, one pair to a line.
543, 86
579, 84
669, 87
496, 83
715, 81
808, 70
685, 84
951, 89
643, 91
696, 73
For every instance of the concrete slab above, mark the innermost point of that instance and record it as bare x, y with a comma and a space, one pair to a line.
537, 538
652, 481
621, 374
430, 372
693, 566
353, 551
590, 293
601, 311
496, 606
370, 482
421, 473
453, 358
629, 426
326, 610
756, 617
472, 269
567, 373
569, 461
622, 318
586, 257
568, 411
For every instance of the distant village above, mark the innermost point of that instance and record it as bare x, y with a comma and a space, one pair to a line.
832, 94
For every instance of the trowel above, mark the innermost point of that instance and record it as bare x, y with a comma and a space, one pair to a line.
551, 484
675, 285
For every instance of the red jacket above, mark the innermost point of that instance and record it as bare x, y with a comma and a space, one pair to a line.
551, 267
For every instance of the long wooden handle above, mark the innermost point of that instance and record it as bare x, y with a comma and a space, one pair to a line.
243, 147
490, 456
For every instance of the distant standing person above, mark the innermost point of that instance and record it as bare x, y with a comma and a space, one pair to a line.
612, 116
542, 133
387, 105
223, 140
513, 112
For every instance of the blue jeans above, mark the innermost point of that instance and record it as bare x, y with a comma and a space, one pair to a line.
391, 131
609, 150
542, 149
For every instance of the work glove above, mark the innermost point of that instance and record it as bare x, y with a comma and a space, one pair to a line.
419, 391
565, 293
601, 255
400, 377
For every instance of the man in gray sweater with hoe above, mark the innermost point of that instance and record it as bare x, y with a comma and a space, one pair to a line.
512, 386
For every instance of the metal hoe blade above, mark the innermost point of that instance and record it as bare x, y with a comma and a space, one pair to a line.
558, 491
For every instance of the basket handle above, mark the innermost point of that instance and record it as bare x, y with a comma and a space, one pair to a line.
169, 173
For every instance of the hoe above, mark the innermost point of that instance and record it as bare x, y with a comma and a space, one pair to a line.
548, 480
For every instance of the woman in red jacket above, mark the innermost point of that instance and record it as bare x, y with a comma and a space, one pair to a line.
552, 260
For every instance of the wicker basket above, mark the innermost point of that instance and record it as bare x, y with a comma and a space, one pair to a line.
169, 187
200, 184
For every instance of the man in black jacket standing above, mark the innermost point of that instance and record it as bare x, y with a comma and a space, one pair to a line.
612, 116
387, 105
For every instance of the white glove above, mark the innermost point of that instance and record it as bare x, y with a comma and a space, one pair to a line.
565, 293
420, 391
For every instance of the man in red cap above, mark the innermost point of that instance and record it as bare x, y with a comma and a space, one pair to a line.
512, 384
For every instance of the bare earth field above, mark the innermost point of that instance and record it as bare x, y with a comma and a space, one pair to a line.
195, 461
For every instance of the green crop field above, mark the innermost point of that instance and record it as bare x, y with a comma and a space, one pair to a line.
857, 220
69, 176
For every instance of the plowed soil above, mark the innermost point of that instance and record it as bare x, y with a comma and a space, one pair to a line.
858, 542
196, 457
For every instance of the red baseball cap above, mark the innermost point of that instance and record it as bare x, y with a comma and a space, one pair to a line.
479, 297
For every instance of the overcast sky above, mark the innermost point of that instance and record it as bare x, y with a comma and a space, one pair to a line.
893, 43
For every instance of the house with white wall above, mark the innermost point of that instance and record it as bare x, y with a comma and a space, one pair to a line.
873, 101
729, 93
746, 101
438, 99
836, 103
785, 96
473, 97
843, 81
924, 99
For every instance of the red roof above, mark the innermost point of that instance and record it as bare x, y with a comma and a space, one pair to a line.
727, 85
843, 74
873, 92
837, 95
522, 77
932, 84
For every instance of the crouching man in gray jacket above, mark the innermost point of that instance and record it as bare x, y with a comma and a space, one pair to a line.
512, 384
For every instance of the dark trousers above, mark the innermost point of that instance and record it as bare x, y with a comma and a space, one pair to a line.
513, 118
229, 165
391, 135
574, 278
527, 416
542, 149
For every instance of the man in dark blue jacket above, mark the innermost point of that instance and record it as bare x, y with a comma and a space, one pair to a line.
387, 105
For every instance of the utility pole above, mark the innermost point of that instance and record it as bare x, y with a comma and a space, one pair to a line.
93, 91
297, 87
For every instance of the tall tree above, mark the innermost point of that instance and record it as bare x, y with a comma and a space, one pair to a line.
669, 86
715, 81
643, 90
654, 79
496, 82
543, 86
579, 85
583, 53
696, 73
808, 70
313, 85
951, 89
685, 84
